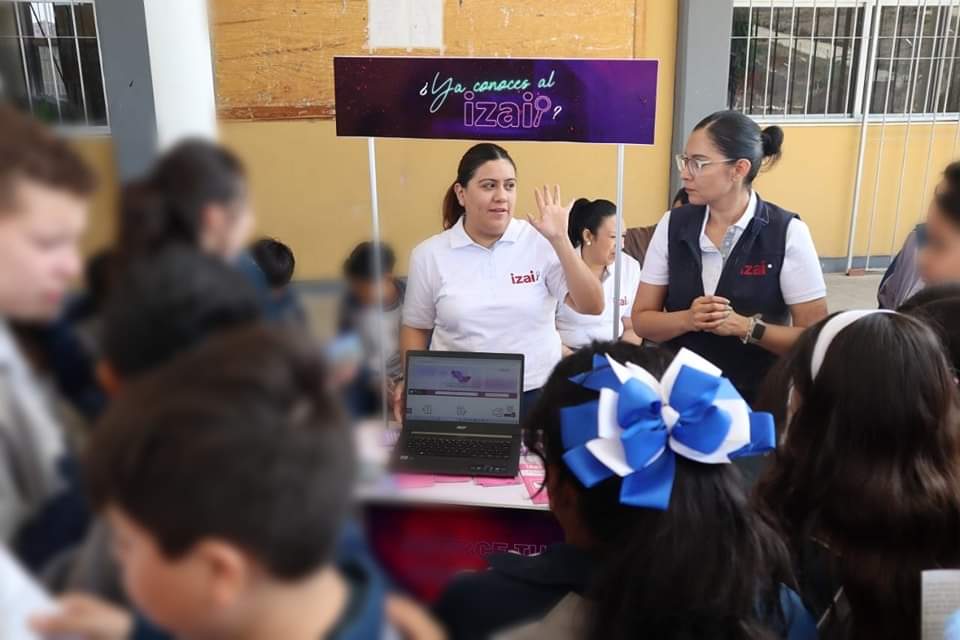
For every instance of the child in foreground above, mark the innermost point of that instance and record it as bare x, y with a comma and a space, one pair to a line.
227, 496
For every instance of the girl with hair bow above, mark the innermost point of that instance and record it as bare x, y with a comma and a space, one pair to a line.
659, 539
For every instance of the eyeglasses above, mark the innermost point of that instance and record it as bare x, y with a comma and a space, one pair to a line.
695, 165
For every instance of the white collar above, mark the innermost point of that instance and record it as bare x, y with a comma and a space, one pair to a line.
459, 237
744, 220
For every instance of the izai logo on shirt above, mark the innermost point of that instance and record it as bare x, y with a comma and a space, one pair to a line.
525, 278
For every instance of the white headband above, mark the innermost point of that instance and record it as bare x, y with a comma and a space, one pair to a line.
831, 330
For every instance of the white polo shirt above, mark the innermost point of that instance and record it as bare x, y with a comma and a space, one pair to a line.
801, 277
500, 300
578, 330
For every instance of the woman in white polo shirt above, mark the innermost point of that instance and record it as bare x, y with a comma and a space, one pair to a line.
593, 231
490, 282
730, 276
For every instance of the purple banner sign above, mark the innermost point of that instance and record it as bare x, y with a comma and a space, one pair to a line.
608, 101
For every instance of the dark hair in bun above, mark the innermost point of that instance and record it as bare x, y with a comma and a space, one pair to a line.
737, 136
588, 215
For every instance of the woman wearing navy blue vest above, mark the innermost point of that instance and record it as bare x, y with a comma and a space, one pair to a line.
730, 276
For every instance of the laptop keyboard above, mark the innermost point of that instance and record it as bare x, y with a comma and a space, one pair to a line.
459, 447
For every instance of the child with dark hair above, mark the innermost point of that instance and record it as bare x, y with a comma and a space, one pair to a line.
866, 481
45, 191
168, 304
931, 253
277, 263
209, 548
164, 307
660, 541
161, 306
197, 196
358, 317
939, 307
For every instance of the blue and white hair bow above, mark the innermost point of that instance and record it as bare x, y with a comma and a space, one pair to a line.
639, 425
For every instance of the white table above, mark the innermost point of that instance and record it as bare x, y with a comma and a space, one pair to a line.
377, 485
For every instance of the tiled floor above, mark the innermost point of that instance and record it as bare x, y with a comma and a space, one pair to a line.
843, 292
852, 292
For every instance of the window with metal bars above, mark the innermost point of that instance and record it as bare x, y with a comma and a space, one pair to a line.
50, 61
813, 59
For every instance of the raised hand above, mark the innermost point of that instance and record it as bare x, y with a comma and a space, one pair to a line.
553, 219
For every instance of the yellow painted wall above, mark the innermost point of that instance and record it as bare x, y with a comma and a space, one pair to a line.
311, 189
98, 152
816, 179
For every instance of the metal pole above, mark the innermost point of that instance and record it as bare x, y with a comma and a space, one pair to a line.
936, 104
23, 57
766, 82
810, 58
746, 62
833, 51
617, 263
953, 59
76, 41
377, 268
861, 67
793, 45
103, 78
53, 64
911, 89
883, 133
863, 137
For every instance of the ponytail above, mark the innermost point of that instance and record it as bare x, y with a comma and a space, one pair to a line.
472, 160
452, 209
587, 215
149, 221
167, 206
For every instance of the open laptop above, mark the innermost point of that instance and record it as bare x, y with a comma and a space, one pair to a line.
462, 414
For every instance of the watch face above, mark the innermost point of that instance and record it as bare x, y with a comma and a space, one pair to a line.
758, 331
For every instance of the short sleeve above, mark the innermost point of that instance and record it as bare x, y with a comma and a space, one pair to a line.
420, 302
555, 278
801, 277
656, 270
630, 281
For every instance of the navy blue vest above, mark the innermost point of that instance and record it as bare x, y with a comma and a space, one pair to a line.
750, 280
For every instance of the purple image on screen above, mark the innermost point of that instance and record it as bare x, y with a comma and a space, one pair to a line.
462, 379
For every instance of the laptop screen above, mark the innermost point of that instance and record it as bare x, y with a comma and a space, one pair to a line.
455, 389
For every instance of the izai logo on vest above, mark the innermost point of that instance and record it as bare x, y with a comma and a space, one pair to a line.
611, 101
755, 270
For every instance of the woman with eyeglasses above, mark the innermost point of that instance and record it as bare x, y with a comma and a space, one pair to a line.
730, 276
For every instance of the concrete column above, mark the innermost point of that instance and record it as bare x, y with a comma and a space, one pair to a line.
703, 67
158, 70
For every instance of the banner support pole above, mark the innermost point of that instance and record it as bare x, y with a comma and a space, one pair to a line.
617, 263
378, 269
